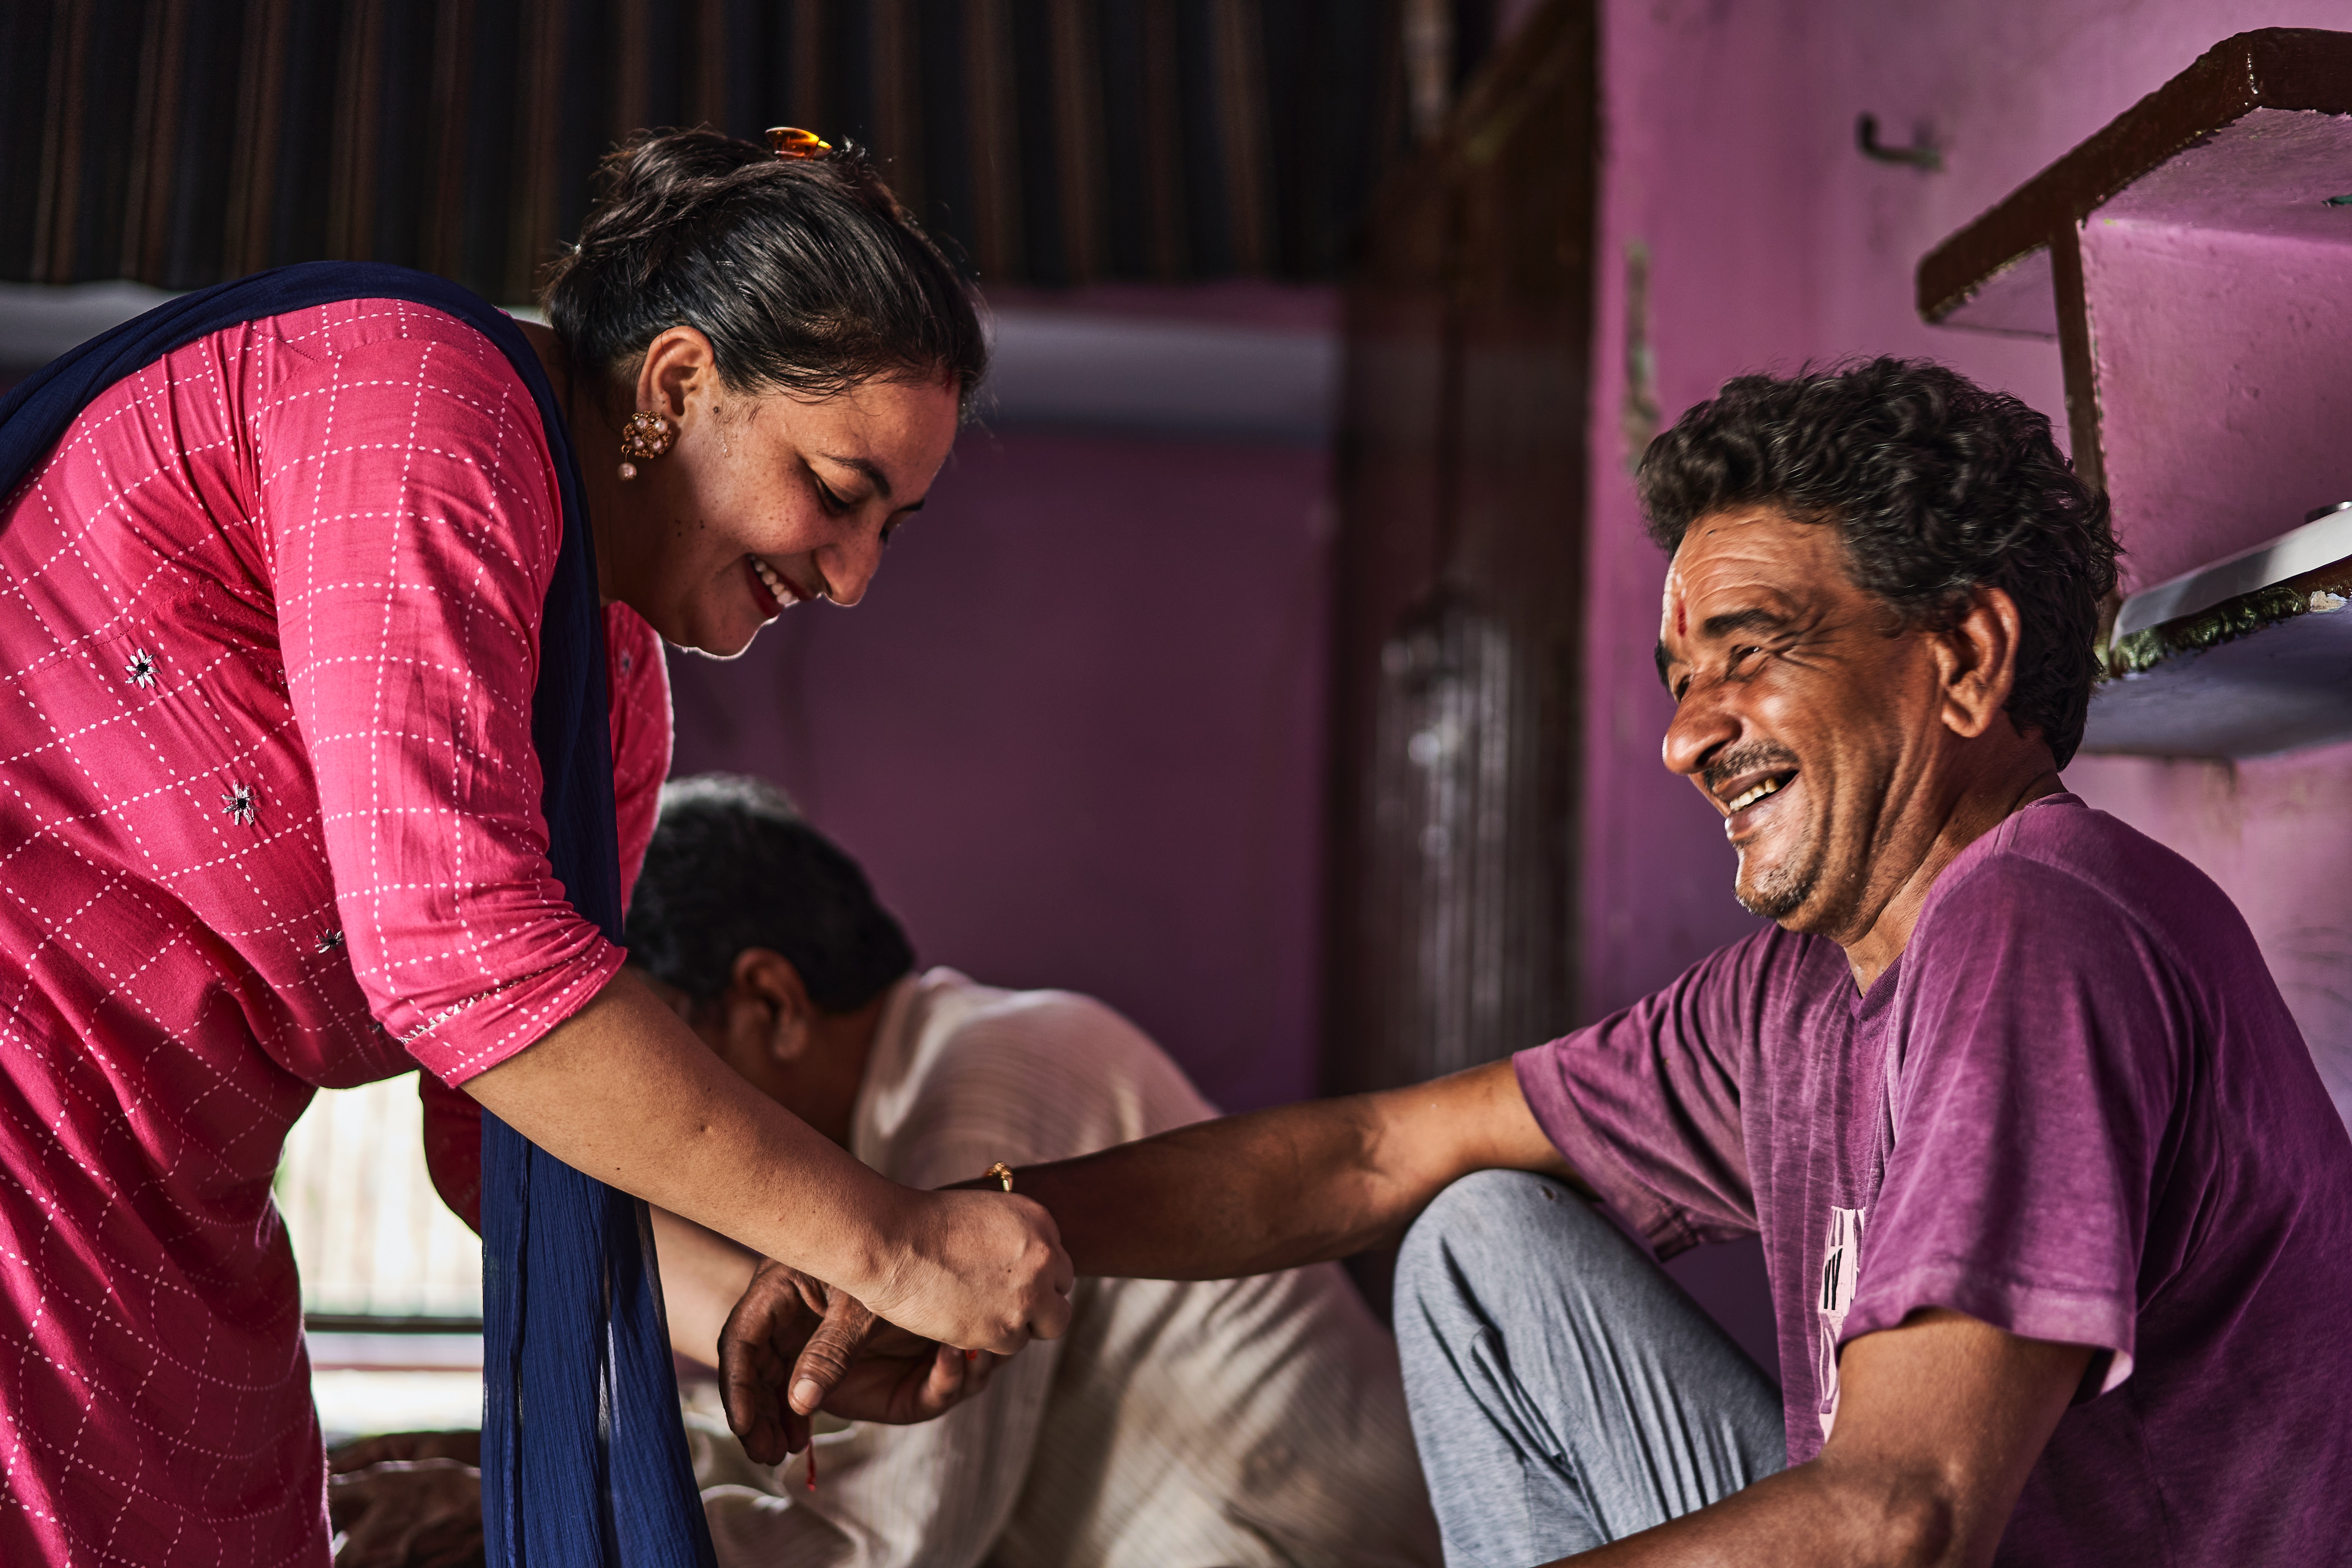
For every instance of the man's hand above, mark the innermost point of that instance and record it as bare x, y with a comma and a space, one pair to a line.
412, 1500
793, 1334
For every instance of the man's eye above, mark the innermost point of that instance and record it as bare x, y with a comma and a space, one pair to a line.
825, 497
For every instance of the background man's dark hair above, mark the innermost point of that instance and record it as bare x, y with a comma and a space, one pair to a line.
733, 865
1936, 487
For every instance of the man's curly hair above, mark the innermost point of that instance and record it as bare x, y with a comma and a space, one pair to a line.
1936, 488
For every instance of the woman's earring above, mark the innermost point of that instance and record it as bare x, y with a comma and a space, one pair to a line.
647, 434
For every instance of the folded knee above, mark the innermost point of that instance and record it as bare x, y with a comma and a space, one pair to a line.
1490, 1218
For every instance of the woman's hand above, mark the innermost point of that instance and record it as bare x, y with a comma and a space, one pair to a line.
981, 1270
622, 1092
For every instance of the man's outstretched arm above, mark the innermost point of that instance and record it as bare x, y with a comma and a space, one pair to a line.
1938, 1422
1243, 1194
1274, 1189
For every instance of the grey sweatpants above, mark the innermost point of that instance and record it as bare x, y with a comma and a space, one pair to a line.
1565, 1392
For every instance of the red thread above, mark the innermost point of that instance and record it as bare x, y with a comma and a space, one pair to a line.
812, 1468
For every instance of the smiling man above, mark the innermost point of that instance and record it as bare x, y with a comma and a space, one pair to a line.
2059, 1217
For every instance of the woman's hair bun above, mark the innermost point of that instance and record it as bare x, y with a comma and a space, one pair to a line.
805, 273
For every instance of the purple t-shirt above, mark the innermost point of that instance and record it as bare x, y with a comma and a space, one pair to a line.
2076, 1109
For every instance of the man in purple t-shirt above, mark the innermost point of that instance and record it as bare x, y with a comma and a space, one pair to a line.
2057, 1213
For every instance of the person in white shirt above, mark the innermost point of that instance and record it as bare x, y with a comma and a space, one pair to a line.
1222, 1425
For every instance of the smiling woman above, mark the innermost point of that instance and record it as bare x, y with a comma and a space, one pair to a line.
321, 759
783, 358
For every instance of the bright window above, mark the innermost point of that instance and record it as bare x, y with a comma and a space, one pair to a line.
381, 1257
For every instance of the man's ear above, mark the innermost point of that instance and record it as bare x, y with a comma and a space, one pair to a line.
1976, 662
769, 1011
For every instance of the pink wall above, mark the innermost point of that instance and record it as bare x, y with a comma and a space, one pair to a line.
1076, 733
1772, 242
2222, 367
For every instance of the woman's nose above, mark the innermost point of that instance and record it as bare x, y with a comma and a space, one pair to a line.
849, 566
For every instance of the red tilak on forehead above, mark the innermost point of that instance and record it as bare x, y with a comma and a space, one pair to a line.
1682, 618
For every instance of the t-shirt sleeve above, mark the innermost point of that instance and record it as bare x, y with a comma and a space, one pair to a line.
410, 521
2040, 1028
1645, 1104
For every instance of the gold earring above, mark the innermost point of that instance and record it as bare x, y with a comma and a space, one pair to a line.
647, 434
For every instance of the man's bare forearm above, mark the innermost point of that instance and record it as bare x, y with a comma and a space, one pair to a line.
1244, 1195
1274, 1189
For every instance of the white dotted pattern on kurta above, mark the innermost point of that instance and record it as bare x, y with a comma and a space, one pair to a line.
268, 813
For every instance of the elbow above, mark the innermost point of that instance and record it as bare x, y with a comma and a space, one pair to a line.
1903, 1519
1913, 1521
1919, 1530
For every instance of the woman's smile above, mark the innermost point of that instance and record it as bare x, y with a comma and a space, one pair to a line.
774, 592
734, 525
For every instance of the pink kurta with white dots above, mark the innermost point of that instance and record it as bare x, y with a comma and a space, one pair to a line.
269, 820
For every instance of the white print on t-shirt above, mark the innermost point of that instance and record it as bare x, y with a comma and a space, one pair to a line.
1840, 1267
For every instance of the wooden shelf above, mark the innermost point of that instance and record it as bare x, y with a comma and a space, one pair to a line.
1970, 279
2193, 260
2019, 268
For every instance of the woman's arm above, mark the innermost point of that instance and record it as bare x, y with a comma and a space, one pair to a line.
622, 1092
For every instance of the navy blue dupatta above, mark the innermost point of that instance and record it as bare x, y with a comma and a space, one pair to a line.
583, 1458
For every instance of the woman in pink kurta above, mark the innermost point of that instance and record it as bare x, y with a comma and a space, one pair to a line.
265, 736
271, 821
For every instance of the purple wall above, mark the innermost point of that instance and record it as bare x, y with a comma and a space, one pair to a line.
1076, 733
2222, 370
1772, 241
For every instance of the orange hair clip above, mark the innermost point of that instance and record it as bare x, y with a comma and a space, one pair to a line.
791, 142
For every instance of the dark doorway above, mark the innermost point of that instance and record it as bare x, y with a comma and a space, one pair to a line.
1461, 580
